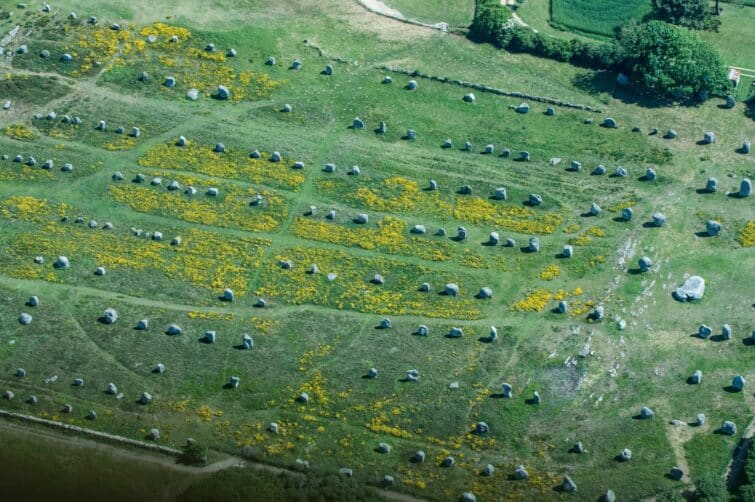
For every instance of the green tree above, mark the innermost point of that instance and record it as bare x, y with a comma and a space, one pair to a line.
490, 22
690, 13
193, 454
670, 61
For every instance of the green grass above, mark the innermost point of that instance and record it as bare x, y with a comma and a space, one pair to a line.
454, 12
597, 18
320, 336
71, 468
735, 32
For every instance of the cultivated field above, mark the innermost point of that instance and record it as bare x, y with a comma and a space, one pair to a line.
319, 331
599, 18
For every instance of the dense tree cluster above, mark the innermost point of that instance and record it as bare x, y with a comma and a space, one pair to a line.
664, 60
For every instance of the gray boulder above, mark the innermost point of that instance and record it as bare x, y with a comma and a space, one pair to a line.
711, 184
726, 332
485, 293
676, 474
534, 245
692, 289
745, 188
568, 486
738, 383
646, 413
659, 219
456, 333
110, 316
704, 331
451, 289
25, 319
520, 473
645, 264
627, 214
223, 92
696, 377
728, 428
713, 228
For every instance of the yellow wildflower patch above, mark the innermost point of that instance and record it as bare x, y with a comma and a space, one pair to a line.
233, 165
535, 301
550, 272
19, 132
747, 234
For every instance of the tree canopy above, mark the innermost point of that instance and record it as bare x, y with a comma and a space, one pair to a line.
668, 60
690, 13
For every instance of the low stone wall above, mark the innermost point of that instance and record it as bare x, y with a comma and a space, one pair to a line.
89, 433
492, 90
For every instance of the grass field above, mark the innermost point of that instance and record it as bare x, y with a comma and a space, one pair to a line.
598, 18
454, 12
319, 334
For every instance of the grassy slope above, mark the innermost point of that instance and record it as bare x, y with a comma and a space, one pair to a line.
327, 350
455, 13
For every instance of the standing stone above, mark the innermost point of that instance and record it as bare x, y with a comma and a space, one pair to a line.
627, 214
506, 390
704, 331
696, 377
646, 413
567, 251
746, 146
562, 307
692, 289
645, 264
455, 333
711, 185
568, 485
676, 474
535, 199
422, 330
713, 228
729, 428
659, 219
451, 289
726, 332
650, 174
709, 137
500, 194
520, 473
534, 245
110, 316
223, 92
745, 188
738, 383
